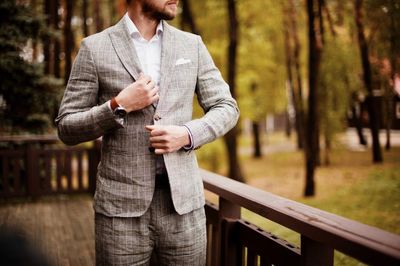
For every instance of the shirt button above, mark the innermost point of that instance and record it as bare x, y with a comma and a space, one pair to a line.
156, 117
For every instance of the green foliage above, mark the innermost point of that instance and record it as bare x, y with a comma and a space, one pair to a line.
29, 96
337, 82
261, 70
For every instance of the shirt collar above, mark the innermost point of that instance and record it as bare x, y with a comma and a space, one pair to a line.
133, 30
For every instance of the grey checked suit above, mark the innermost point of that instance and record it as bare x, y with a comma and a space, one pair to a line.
105, 65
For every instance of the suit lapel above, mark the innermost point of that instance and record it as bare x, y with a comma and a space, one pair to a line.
125, 49
168, 58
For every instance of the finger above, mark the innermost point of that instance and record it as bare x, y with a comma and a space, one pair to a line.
158, 139
144, 78
154, 91
150, 85
159, 146
155, 130
160, 151
155, 98
150, 127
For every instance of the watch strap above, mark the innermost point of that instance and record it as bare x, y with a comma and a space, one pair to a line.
114, 104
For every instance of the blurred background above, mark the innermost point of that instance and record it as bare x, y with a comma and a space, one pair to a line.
317, 83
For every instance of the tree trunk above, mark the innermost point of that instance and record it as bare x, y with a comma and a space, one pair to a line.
372, 101
256, 140
85, 28
358, 125
68, 39
315, 51
98, 19
35, 48
328, 144
297, 89
187, 17
57, 44
47, 46
288, 125
235, 171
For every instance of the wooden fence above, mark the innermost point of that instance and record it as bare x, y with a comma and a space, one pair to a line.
234, 241
38, 166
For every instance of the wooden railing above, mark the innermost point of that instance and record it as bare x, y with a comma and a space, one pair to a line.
38, 166
233, 241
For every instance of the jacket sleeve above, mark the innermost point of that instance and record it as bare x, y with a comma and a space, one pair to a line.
80, 118
221, 110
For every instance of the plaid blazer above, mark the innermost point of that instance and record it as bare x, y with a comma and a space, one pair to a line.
106, 63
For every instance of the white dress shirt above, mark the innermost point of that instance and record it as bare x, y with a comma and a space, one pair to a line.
149, 52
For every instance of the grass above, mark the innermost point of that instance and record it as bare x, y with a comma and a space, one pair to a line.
351, 186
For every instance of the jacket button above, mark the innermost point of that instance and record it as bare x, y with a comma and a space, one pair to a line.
156, 117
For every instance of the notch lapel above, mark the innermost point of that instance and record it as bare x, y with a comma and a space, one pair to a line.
125, 49
168, 57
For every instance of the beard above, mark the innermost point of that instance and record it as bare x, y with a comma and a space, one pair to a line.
156, 12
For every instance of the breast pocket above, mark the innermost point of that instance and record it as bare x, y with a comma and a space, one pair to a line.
185, 76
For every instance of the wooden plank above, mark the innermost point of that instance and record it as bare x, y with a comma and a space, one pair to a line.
363, 242
251, 257
17, 175
215, 246
270, 247
59, 170
211, 213
5, 177
47, 178
61, 227
314, 253
80, 171
68, 169
264, 261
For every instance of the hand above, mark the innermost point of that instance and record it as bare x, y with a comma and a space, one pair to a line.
138, 95
166, 139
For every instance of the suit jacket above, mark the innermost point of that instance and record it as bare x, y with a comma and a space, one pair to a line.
106, 63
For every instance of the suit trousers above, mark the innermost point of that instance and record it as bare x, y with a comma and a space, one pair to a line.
160, 235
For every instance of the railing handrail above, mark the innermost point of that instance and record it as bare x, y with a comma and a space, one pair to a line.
51, 138
353, 238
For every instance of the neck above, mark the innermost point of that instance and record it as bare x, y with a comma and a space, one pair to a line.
147, 26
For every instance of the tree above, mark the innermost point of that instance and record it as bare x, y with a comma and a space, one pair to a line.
372, 101
235, 171
68, 38
315, 52
98, 18
187, 17
28, 94
85, 28
292, 50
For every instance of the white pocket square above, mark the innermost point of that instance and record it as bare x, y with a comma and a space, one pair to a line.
182, 61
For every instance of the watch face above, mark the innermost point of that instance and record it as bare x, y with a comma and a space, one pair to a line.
120, 112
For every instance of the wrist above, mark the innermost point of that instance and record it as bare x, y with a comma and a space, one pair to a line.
186, 137
120, 102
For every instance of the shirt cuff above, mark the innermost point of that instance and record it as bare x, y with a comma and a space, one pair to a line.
191, 145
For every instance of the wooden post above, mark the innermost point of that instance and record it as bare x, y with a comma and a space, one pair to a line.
229, 214
32, 173
314, 253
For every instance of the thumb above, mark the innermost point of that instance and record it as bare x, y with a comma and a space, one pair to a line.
150, 127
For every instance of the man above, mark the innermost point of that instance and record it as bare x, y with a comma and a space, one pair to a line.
133, 84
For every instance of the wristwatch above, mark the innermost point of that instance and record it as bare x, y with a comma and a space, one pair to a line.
118, 110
